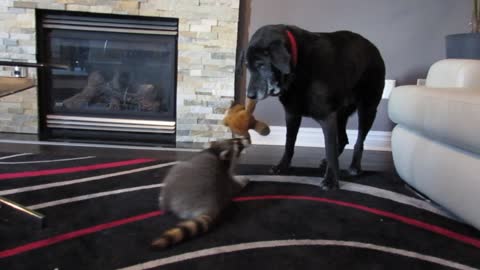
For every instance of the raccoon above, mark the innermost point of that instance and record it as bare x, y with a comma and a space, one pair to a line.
198, 190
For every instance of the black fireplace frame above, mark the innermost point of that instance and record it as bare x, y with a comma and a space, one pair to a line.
96, 136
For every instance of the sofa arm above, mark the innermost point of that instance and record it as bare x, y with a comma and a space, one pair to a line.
454, 73
448, 115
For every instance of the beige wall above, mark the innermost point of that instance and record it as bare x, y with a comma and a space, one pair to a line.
18, 112
206, 58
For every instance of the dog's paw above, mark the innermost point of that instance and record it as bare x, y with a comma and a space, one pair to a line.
330, 184
279, 169
323, 165
352, 171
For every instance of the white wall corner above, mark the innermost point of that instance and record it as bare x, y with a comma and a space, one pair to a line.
389, 85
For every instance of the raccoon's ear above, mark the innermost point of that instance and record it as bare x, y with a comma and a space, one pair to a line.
280, 57
224, 155
208, 145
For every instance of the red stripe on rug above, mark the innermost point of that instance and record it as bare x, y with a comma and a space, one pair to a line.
5, 176
90, 230
75, 234
420, 224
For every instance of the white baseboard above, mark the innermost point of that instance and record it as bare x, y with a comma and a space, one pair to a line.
313, 137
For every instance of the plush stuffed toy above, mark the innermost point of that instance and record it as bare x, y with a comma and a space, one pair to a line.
240, 120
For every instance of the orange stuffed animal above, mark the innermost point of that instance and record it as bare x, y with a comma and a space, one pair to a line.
240, 120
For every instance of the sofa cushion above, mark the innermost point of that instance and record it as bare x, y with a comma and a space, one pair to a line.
454, 73
451, 116
445, 174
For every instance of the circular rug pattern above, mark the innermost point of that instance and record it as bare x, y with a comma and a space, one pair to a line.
102, 214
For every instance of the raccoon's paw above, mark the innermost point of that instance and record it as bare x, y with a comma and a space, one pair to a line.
242, 180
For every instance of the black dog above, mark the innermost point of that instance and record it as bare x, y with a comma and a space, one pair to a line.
326, 76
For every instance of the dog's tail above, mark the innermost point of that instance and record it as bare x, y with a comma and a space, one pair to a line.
183, 231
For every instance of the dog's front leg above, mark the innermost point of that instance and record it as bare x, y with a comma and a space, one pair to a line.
293, 124
329, 127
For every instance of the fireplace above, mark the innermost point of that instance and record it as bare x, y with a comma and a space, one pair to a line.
118, 83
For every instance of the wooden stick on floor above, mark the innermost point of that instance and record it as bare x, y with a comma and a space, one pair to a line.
17, 213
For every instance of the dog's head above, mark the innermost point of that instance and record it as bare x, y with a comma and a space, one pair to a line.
268, 61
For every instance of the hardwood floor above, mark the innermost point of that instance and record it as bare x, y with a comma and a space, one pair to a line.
255, 154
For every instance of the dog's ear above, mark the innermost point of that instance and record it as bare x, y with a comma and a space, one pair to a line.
240, 63
280, 57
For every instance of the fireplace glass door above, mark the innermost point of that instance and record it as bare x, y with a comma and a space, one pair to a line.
120, 75
112, 74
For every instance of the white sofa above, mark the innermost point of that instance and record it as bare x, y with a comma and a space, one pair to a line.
436, 142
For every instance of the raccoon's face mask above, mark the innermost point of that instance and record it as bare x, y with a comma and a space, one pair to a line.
230, 149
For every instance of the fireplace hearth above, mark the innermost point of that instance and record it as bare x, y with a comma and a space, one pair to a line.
120, 84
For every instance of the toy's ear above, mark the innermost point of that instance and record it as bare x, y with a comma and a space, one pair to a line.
226, 121
261, 128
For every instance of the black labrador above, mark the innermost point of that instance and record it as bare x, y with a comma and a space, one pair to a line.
326, 76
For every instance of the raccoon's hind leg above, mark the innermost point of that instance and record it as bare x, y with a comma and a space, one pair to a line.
163, 202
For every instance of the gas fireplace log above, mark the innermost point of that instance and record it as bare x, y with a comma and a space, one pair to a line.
146, 98
90, 91
116, 94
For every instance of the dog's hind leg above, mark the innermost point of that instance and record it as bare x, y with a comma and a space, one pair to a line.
366, 116
329, 127
371, 87
293, 124
342, 120
342, 117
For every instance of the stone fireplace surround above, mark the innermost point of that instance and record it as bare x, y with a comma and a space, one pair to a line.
206, 58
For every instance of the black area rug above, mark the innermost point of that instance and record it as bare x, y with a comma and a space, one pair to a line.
102, 214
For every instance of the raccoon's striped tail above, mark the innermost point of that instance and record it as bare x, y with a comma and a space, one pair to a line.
183, 231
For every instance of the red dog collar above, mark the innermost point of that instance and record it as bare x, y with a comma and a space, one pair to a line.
293, 47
